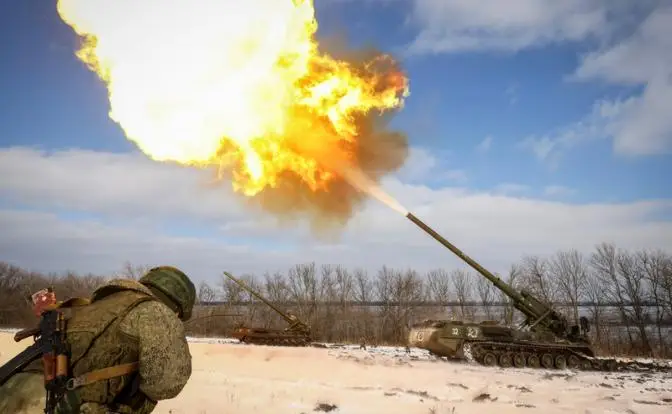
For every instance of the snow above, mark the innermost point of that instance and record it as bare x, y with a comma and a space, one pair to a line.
229, 377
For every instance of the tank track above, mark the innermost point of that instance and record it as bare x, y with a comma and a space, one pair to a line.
520, 355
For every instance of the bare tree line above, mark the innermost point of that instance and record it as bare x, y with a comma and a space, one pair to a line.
16, 286
626, 294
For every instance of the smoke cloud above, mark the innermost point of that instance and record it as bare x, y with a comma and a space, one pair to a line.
377, 151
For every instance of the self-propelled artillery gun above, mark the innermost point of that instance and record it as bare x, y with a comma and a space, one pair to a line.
296, 334
545, 339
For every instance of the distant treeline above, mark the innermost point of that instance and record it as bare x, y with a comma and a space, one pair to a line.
425, 303
627, 295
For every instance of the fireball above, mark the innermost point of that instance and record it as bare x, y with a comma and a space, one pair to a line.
239, 86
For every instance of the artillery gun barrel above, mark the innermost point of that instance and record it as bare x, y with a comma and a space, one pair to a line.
294, 324
508, 290
258, 296
539, 315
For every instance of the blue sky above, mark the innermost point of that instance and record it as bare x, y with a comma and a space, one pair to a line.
481, 88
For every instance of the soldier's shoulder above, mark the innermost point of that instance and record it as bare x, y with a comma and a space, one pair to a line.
153, 308
116, 285
148, 316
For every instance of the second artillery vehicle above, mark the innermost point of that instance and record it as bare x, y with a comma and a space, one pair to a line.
544, 340
296, 334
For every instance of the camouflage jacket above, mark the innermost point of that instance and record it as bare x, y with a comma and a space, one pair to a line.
123, 323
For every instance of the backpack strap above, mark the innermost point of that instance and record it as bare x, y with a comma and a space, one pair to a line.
101, 374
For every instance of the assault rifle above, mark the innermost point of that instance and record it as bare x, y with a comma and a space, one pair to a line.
51, 346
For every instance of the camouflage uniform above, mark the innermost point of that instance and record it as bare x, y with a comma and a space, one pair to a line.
126, 321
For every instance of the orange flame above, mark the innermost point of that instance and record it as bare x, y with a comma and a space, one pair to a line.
237, 85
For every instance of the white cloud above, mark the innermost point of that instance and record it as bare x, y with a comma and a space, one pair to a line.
129, 200
551, 146
116, 184
636, 59
455, 176
643, 124
638, 125
509, 26
558, 191
485, 145
421, 166
512, 93
511, 188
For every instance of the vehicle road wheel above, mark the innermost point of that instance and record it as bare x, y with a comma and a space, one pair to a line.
560, 362
505, 360
533, 361
573, 362
519, 360
489, 359
547, 361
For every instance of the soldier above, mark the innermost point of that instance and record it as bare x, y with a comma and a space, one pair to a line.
362, 343
125, 321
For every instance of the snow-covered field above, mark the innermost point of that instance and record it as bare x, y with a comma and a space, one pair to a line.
232, 378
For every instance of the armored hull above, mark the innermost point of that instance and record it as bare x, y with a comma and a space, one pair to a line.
275, 337
490, 344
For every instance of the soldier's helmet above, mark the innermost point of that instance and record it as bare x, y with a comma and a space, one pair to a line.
175, 285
